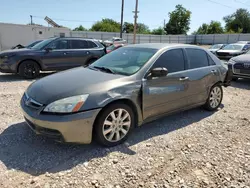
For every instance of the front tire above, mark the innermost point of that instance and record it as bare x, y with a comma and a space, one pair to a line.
235, 79
114, 124
215, 98
29, 69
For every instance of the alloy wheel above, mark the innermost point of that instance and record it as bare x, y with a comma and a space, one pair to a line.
116, 125
215, 97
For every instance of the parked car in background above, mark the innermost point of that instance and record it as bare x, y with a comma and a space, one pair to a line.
19, 46
113, 47
232, 50
214, 48
243, 42
113, 40
53, 54
120, 91
240, 66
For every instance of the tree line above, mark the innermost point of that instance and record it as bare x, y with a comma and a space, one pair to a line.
179, 23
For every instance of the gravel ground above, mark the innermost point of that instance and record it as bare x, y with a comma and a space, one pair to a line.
195, 148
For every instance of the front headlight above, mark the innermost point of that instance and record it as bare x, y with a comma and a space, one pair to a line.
8, 56
67, 105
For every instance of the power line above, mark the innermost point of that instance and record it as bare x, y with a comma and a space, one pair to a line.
63, 19
215, 2
242, 3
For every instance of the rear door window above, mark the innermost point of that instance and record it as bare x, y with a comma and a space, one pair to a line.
79, 44
197, 58
173, 60
91, 44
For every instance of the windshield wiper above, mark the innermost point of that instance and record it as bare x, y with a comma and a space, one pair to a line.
106, 69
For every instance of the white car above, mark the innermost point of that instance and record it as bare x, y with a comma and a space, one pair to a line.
113, 40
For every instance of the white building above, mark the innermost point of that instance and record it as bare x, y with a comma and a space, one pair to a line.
14, 34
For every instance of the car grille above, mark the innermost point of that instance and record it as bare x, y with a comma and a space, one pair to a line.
31, 103
223, 54
241, 68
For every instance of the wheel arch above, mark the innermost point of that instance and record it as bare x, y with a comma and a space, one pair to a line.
29, 59
123, 101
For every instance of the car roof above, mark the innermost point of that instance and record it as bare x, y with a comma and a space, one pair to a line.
159, 46
242, 44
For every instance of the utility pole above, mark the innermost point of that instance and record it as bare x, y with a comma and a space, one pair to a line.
164, 23
135, 20
121, 29
31, 20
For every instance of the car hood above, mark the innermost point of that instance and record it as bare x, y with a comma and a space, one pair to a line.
108, 41
230, 51
242, 58
16, 51
72, 82
212, 50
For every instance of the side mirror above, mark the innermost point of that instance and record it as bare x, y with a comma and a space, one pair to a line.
158, 72
48, 49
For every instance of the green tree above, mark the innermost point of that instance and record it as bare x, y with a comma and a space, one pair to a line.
128, 27
80, 28
238, 21
158, 31
202, 29
214, 27
106, 25
141, 28
179, 21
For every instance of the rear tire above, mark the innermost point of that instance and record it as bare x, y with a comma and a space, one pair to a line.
215, 98
29, 69
114, 124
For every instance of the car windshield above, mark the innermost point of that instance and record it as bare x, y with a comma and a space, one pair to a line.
33, 44
233, 47
125, 61
42, 44
112, 47
216, 46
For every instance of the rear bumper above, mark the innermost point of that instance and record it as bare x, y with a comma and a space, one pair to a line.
74, 128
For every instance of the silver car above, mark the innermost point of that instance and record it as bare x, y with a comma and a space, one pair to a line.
232, 50
122, 90
114, 40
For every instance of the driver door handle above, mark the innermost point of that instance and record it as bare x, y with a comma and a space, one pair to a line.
65, 53
183, 78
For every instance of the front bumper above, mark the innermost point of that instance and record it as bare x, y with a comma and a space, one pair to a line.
7, 66
74, 128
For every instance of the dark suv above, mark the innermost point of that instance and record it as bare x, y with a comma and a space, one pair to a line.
53, 54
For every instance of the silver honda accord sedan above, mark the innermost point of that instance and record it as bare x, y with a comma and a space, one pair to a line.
122, 90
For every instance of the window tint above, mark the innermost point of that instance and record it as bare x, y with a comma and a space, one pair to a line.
79, 44
246, 47
59, 45
173, 60
197, 58
91, 44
